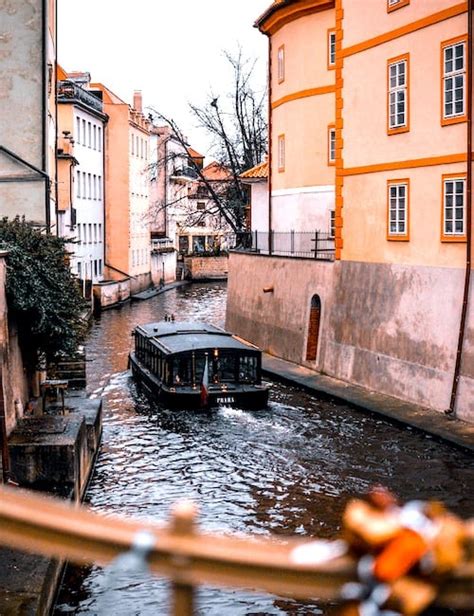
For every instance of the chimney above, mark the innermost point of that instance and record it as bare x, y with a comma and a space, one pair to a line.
137, 101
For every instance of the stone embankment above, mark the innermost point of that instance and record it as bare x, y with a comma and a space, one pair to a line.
54, 452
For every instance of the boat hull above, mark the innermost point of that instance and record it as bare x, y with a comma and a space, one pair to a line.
237, 396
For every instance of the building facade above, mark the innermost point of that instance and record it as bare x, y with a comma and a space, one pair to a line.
28, 112
81, 155
393, 311
126, 190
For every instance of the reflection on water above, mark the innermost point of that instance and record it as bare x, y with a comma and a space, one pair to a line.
287, 470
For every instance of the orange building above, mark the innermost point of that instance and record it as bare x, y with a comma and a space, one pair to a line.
127, 225
392, 312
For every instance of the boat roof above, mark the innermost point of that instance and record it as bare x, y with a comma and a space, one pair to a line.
181, 336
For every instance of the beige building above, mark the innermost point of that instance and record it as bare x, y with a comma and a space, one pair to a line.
28, 112
127, 222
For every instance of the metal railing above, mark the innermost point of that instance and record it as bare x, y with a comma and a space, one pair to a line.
68, 90
294, 567
296, 244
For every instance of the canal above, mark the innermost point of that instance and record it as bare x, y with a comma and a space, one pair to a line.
286, 470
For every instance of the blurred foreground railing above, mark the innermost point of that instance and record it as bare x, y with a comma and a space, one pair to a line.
296, 244
189, 558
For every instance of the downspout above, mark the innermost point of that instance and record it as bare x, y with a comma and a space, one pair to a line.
56, 188
44, 109
270, 142
3, 430
467, 279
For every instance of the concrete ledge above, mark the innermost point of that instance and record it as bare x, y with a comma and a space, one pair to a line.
456, 432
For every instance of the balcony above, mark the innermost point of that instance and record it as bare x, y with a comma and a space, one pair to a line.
162, 245
317, 245
183, 174
71, 92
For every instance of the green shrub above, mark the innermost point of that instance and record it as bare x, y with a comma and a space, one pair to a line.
42, 294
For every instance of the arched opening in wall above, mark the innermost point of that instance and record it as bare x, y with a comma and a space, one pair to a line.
313, 328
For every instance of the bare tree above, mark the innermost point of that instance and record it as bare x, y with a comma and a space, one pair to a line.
236, 122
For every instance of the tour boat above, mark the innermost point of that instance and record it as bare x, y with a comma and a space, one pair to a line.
197, 365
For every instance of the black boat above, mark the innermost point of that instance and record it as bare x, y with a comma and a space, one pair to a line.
196, 365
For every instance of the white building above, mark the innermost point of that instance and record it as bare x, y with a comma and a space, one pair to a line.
81, 112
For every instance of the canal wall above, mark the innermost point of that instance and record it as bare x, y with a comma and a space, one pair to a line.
389, 328
206, 268
15, 387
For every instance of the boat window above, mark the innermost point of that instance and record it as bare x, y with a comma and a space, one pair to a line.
247, 369
224, 368
181, 371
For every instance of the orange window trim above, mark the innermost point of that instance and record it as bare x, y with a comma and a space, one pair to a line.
281, 159
453, 239
399, 5
407, 164
399, 129
281, 65
331, 127
461, 118
399, 237
303, 94
453, 11
332, 66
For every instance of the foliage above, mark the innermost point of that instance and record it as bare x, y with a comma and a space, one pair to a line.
41, 292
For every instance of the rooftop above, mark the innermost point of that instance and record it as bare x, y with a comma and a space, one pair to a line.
259, 172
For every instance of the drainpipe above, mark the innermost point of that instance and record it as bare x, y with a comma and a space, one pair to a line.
3, 429
55, 75
467, 279
44, 109
270, 141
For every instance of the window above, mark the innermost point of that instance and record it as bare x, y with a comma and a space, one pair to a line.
79, 269
94, 186
398, 95
201, 205
90, 232
95, 234
89, 188
78, 129
398, 210
95, 267
332, 223
453, 58
79, 233
392, 5
94, 132
133, 145
454, 199
89, 139
99, 134
331, 49
84, 186
78, 182
331, 145
100, 232
281, 152
281, 64
83, 132
100, 267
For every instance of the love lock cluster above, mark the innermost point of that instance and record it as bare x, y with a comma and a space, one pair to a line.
404, 553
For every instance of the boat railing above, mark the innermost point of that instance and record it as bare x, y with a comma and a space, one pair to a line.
295, 567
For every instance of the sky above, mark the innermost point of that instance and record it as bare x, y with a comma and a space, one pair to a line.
171, 51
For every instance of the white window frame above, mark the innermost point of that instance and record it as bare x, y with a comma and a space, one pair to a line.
332, 49
281, 63
281, 152
398, 204
397, 93
332, 145
453, 74
454, 217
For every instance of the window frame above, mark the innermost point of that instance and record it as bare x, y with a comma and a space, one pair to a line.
331, 131
452, 237
397, 236
281, 153
395, 130
331, 34
455, 119
394, 5
281, 64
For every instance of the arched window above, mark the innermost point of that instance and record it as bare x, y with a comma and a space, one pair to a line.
313, 328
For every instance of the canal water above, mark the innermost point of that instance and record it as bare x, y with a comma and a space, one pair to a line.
286, 470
